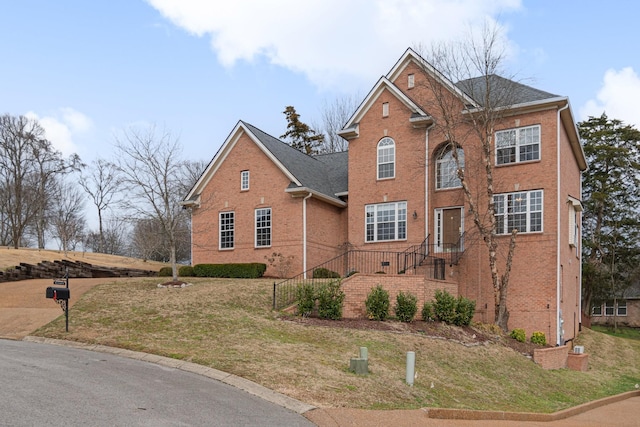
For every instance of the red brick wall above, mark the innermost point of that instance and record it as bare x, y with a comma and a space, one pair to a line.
551, 358
266, 189
358, 287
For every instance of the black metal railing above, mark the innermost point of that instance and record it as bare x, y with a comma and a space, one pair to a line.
419, 259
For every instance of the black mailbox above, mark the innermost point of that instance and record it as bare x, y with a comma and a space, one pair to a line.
58, 293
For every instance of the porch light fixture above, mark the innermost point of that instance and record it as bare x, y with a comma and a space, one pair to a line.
415, 215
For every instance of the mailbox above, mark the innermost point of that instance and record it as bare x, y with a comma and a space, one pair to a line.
58, 293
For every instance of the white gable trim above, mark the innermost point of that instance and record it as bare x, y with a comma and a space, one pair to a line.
410, 55
222, 154
383, 83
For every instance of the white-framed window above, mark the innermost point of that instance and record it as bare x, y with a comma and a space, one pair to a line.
574, 222
386, 158
596, 310
411, 81
622, 307
227, 230
608, 308
385, 109
244, 180
518, 145
263, 227
447, 169
386, 221
521, 210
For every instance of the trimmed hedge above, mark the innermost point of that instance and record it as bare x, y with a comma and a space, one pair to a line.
185, 271
325, 273
165, 272
252, 270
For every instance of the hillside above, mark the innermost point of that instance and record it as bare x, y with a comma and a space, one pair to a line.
10, 257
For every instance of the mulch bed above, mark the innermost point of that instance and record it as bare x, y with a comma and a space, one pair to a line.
465, 335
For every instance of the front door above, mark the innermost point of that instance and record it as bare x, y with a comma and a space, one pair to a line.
448, 230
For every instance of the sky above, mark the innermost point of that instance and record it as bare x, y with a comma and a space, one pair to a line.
87, 70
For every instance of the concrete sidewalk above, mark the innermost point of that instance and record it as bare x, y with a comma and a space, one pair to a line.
24, 308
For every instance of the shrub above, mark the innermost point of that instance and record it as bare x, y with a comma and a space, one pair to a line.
325, 273
185, 271
465, 309
444, 307
236, 271
165, 272
538, 338
427, 312
518, 335
330, 299
377, 304
305, 295
406, 306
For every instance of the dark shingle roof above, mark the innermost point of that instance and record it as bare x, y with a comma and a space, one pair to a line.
326, 174
503, 92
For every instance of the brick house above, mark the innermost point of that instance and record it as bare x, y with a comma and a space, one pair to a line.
625, 310
396, 188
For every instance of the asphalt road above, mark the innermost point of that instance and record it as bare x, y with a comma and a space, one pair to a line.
42, 384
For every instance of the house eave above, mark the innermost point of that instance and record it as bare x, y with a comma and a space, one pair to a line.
305, 191
351, 132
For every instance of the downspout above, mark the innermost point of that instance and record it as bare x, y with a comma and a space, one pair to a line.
304, 235
426, 183
559, 325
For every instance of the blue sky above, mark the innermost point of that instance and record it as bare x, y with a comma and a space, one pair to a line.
88, 69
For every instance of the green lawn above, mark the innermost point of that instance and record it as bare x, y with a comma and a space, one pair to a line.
621, 332
229, 325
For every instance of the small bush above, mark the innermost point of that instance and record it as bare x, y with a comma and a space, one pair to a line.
325, 273
465, 309
427, 312
518, 335
165, 272
330, 299
186, 271
305, 295
444, 307
406, 306
236, 271
377, 303
538, 338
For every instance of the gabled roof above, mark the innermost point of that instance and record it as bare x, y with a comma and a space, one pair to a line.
311, 174
503, 92
418, 115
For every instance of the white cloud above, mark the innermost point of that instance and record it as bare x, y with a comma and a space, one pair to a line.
618, 97
62, 127
332, 42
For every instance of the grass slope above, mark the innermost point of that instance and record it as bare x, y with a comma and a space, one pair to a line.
228, 325
10, 257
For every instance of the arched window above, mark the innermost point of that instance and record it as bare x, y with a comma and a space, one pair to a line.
447, 169
386, 158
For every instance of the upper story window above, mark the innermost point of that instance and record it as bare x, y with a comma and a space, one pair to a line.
386, 221
518, 145
411, 81
244, 180
263, 227
447, 169
386, 158
521, 211
227, 230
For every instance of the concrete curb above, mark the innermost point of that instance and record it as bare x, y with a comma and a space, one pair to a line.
464, 414
232, 380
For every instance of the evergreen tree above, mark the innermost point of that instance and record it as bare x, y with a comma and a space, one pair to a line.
611, 198
299, 135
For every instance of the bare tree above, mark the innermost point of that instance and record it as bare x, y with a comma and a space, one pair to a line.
101, 183
334, 115
471, 100
113, 240
152, 178
68, 222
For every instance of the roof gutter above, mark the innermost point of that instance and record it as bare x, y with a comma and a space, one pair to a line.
304, 191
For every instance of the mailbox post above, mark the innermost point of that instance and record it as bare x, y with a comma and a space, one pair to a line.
61, 295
